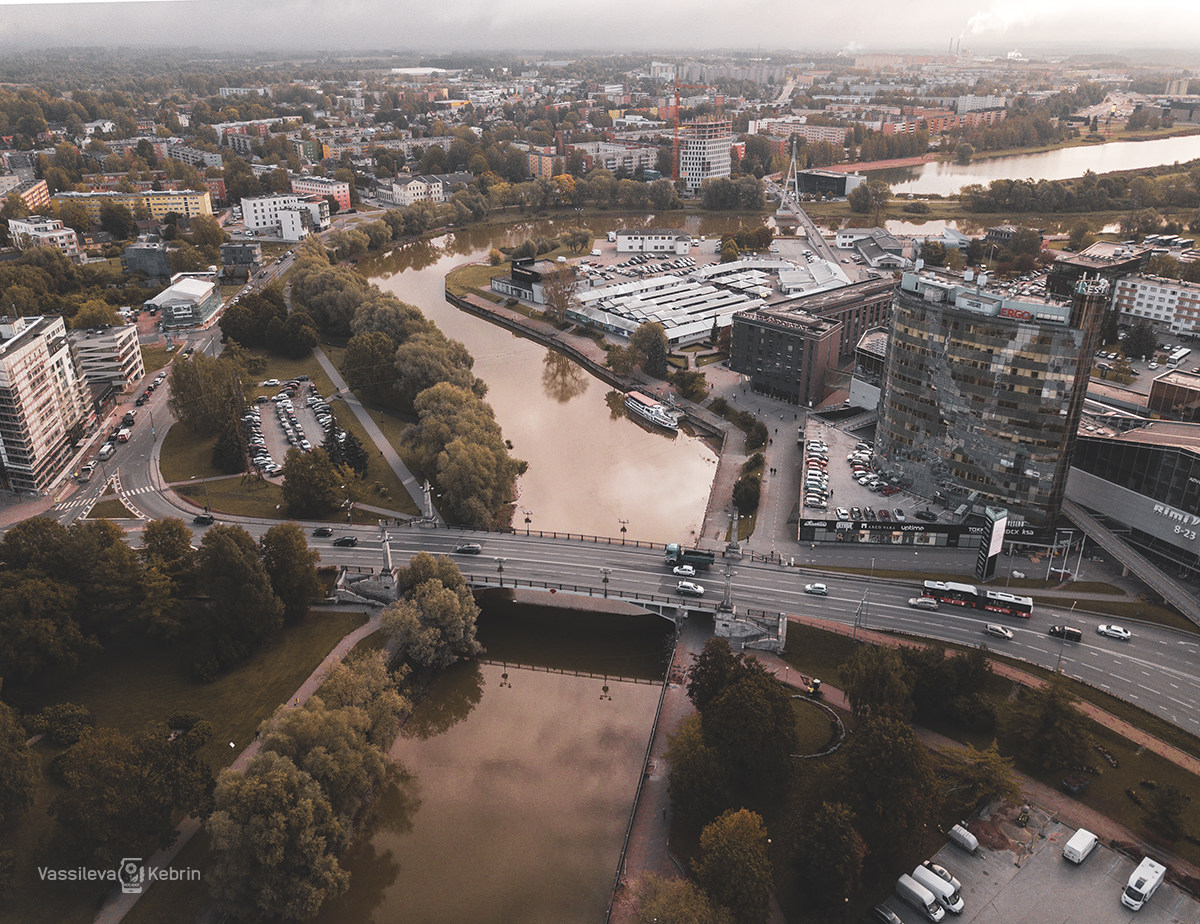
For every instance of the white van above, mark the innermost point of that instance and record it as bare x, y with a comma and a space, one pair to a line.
106, 451
964, 838
911, 892
947, 896
1143, 883
1082, 843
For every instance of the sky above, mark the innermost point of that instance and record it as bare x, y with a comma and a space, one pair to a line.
986, 26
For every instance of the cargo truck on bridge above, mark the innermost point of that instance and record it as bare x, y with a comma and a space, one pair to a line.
697, 558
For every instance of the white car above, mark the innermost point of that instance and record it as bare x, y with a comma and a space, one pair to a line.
690, 589
684, 570
923, 603
1114, 632
999, 631
819, 589
1152, 366
269, 383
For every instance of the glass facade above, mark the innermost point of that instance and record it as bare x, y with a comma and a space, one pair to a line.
983, 395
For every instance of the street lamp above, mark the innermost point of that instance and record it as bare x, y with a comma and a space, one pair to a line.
605, 572
1062, 639
528, 519
500, 569
623, 523
203, 484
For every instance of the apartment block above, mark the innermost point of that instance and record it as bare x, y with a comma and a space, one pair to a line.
40, 231
704, 151
193, 156
109, 356
1170, 304
43, 408
323, 186
185, 202
292, 216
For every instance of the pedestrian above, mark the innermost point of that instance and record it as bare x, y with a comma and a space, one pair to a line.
664, 814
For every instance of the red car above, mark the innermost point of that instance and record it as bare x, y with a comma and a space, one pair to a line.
889, 491
884, 515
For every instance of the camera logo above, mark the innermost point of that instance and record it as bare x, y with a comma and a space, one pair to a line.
130, 875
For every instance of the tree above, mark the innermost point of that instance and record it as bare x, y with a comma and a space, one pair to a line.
430, 357
621, 360
729, 250
292, 567
874, 681
884, 764
1141, 341
699, 780
434, 624
934, 253
650, 341
20, 771
364, 682
829, 856
870, 197
274, 841
207, 234
1167, 806
988, 775
746, 492
733, 866
38, 629
117, 220
753, 728
1025, 241
963, 153
1046, 723
369, 364
675, 901
559, 287
124, 792
692, 384
312, 486
711, 671
95, 313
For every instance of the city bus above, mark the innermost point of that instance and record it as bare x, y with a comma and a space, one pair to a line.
992, 601
1178, 356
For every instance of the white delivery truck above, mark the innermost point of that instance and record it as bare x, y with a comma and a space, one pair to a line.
911, 892
947, 896
106, 451
1082, 843
1143, 883
964, 838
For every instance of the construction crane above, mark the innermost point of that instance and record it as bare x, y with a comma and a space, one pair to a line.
675, 124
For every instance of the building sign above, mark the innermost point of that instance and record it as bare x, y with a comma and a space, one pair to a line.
1017, 313
1187, 519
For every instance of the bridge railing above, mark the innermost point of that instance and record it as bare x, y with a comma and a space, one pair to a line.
499, 580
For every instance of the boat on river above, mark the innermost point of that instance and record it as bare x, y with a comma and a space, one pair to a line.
652, 410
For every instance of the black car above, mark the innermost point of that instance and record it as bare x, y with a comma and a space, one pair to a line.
203, 519
927, 515
884, 915
346, 540
141, 399
323, 531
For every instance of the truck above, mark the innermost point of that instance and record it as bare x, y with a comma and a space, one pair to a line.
1143, 883
697, 558
912, 893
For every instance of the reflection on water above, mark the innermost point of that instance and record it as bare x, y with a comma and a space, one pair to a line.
562, 379
947, 178
439, 714
522, 803
588, 470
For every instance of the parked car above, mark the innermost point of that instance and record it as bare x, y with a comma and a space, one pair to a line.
998, 631
843, 513
899, 515
927, 515
1114, 632
346, 541
819, 589
884, 514
855, 513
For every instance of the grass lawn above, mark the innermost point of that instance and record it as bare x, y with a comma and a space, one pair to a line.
230, 495
393, 428
812, 726
155, 357
476, 277
186, 454
110, 509
378, 471
177, 901
709, 358
130, 687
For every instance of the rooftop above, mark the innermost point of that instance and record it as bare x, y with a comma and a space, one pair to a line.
1103, 254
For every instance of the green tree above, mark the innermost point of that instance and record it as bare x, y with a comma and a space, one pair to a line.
1141, 341
292, 567
428, 358
711, 671
734, 868
675, 901
434, 625
829, 856
117, 220
753, 728
622, 360
730, 250
364, 682
746, 492
650, 341
1167, 805
870, 198
275, 838
884, 764
203, 389
20, 770
389, 316
369, 364
312, 486
125, 793
95, 313
167, 546
988, 775
875, 682
38, 628
1047, 725
1025, 241
692, 384
207, 234
699, 780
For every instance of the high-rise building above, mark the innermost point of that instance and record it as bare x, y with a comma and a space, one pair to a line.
704, 151
43, 405
984, 393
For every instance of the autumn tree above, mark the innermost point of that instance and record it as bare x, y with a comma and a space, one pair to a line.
987, 775
365, 682
650, 341
369, 364
733, 866
430, 358
434, 623
675, 901
559, 287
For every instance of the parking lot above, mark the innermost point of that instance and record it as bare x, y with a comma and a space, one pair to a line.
1033, 884
283, 422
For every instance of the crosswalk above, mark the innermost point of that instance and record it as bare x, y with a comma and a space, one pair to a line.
90, 501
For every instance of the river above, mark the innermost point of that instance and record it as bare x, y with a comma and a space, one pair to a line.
946, 178
590, 467
521, 779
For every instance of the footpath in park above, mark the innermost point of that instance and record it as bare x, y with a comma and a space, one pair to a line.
118, 905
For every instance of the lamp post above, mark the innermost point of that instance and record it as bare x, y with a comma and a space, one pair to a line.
528, 519
1061, 640
623, 523
604, 573
203, 484
500, 569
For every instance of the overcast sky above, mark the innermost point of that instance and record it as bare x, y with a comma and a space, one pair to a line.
616, 25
